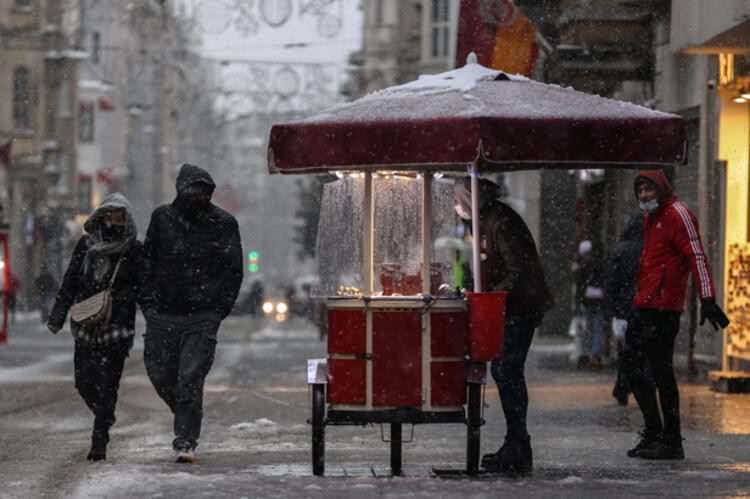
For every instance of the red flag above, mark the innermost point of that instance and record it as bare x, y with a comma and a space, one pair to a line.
5, 154
499, 34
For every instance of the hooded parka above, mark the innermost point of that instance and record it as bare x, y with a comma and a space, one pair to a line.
672, 249
195, 255
91, 267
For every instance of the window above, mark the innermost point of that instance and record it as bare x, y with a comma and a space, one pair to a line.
96, 47
63, 99
84, 193
379, 7
21, 98
23, 4
439, 28
86, 122
63, 181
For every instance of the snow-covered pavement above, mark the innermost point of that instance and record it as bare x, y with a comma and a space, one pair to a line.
256, 442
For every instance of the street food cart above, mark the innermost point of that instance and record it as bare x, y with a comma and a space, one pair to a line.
399, 350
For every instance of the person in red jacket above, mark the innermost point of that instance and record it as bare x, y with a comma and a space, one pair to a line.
672, 249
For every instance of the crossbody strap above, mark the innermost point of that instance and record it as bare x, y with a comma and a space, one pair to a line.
117, 267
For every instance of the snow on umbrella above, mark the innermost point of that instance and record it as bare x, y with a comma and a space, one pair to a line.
503, 122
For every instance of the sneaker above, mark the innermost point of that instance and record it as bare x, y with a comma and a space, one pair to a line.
666, 447
186, 455
648, 438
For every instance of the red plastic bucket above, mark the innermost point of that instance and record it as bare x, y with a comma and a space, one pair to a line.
486, 322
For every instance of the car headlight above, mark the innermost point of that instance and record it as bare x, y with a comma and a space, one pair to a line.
268, 307
281, 307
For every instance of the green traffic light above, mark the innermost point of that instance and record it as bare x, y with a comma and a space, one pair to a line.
253, 255
253, 267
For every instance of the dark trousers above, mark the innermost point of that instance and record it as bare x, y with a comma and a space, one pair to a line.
509, 376
98, 369
647, 358
179, 352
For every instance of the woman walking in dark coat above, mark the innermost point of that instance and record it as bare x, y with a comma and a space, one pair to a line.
100, 350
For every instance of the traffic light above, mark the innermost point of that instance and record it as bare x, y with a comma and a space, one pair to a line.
252, 259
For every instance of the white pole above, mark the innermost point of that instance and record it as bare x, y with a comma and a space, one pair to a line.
475, 236
426, 232
367, 238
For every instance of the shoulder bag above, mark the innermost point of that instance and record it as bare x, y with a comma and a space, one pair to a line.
96, 309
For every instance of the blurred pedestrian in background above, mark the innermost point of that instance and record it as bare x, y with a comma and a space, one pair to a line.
14, 285
46, 285
620, 280
589, 279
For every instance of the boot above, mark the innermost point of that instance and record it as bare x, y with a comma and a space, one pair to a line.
665, 447
99, 439
595, 364
515, 454
583, 361
620, 392
648, 438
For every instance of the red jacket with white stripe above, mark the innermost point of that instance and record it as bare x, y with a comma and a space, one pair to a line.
671, 250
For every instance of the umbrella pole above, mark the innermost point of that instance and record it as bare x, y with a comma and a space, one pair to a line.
367, 257
426, 232
475, 226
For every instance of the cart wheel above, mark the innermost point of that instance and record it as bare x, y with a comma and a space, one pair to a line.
473, 426
318, 428
396, 448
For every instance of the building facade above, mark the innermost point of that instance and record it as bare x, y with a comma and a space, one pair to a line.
38, 96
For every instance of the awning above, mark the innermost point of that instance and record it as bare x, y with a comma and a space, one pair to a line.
733, 41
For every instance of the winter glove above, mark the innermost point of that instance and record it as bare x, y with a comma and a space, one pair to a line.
53, 328
711, 311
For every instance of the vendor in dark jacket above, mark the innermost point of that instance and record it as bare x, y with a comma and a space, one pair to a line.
195, 259
510, 263
100, 350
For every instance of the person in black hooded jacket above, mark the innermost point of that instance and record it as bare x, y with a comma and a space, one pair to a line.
195, 257
620, 280
100, 350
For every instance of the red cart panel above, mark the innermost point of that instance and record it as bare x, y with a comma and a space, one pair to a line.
346, 381
448, 382
397, 358
449, 333
346, 331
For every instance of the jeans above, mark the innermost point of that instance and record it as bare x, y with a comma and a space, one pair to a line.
509, 376
592, 344
98, 369
647, 358
179, 352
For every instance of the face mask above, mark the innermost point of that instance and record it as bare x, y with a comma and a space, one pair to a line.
462, 212
649, 206
112, 232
